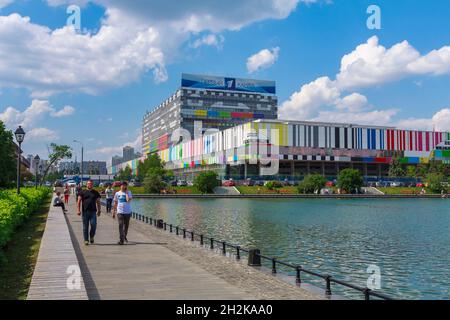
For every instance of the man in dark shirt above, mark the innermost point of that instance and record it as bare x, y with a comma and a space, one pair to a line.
90, 199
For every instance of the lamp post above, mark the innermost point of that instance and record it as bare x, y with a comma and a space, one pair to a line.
36, 163
20, 136
82, 152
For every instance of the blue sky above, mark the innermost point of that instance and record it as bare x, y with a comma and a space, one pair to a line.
96, 86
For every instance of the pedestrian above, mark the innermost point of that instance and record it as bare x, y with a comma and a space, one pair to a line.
89, 200
66, 194
57, 202
122, 208
109, 192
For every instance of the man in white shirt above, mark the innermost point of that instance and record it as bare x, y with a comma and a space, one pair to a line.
122, 208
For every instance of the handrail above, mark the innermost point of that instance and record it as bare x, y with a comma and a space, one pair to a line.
204, 240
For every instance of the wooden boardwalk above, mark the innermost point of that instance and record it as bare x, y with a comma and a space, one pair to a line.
143, 269
56, 262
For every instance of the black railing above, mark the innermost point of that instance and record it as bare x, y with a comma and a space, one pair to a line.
254, 258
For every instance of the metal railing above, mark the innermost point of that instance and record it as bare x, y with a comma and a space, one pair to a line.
254, 257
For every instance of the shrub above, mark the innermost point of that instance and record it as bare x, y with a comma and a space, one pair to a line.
153, 183
350, 180
312, 183
434, 181
15, 209
271, 185
206, 181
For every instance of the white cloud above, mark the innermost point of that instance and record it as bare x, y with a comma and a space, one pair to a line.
106, 153
354, 102
209, 40
439, 122
263, 59
5, 3
64, 112
42, 134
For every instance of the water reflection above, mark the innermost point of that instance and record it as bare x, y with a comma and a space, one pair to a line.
408, 240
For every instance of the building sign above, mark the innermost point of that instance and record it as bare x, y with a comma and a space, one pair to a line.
230, 84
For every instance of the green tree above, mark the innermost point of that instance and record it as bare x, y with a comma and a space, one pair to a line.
59, 152
435, 182
152, 164
153, 183
125, 174
312, 183
350, 180
206, 181
395, 169
7, 157
411, 171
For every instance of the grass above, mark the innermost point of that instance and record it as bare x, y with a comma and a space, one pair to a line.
404, 190
264, 190
179, 190
20, 256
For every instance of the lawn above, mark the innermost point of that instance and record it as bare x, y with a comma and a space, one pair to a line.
264, 190
20, 255
141, 190
404, 190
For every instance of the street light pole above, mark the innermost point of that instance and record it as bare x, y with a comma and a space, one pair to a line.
82, 155
36, 163
20, 136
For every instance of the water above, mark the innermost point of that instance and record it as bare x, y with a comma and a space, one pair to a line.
409, 240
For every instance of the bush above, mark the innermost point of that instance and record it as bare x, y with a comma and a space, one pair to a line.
206, 181
435, 182
312, 183
15, 209
350, 180
153, 183
271, 185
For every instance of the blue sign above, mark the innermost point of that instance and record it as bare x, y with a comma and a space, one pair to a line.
230, 84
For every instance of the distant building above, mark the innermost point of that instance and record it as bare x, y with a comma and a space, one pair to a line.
128, 153
116, 160
95, 167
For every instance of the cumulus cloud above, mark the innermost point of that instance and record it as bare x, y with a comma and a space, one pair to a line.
42, 134
263, 59
64, 112
5, 3
368, 65
209, 40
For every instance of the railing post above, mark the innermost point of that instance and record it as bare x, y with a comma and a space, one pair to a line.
151, 221
212, 244
254, 258
165, 226
224, 248
146, 220
171, 230
184, 233
238, 253
366, 294
274, 266
192, 235
177, 230
201, 240
328, 288
298, 280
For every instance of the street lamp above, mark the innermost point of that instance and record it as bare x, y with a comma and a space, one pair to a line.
36, 163
82, 152
20, 136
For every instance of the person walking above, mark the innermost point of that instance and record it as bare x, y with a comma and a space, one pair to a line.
109, 192
89, 200
66, 194
122, 208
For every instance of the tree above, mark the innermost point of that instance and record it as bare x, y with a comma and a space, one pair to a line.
395, 169
312, 183
7, 157
350, 180
152, 164
206, 181
59, 152
411, 172
435, 182
125, 174
153, 183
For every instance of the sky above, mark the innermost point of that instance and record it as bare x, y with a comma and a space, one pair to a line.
334, 61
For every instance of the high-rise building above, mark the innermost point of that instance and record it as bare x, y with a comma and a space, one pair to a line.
116, 160
128, 154
218, 102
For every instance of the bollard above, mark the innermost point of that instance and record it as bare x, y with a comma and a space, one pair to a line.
177, 229
192, 235
298, 280
146, 220
171, 228
165, 226
184, 233
151, 221
238, 253
254, 258
160, 224
133, 215
201, 240
212, 244
224, 248
274, 266
366, 294
328, 289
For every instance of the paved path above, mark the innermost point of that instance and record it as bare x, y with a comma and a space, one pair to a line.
56, 255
